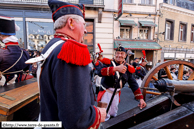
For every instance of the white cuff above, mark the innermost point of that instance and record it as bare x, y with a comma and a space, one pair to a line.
2, 81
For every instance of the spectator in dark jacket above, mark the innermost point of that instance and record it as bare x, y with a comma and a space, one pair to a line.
135, 62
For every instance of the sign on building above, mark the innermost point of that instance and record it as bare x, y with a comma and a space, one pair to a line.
169, 55
120, 9
190, 56
180, 55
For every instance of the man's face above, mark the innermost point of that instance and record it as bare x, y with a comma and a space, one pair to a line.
100, 57
80, 29
137, 60
174, 70
120, 56
144, 63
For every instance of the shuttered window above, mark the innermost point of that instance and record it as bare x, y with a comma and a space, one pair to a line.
182, 32
143, 33
192, 33
125, 32
169, 30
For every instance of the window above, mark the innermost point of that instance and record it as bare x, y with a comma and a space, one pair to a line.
125, 32
168, 26
37, 30
172, 2
50, 37
31, 36
143, 33
169, 31
182, 32
45, 37
19, 33
146, 1
127, 1
89, 37
82, 1
192, 33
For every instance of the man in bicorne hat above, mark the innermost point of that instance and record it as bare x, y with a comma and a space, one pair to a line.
115, 74
141, 70
65, 88
12, 57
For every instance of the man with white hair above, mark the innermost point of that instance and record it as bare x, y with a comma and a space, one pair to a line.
65, 88
12, 57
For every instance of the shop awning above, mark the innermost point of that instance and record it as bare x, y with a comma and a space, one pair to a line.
147, 23
137, 44
127, 23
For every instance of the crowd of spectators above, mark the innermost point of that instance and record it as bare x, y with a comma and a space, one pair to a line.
174, 70
34, 66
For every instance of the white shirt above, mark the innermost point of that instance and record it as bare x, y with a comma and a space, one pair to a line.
174, 76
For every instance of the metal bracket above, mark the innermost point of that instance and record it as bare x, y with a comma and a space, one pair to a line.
7, 97
189, 106
171, 97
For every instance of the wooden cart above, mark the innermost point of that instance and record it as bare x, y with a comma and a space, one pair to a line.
19, 101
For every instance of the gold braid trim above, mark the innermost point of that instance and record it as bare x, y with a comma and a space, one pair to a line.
138, 94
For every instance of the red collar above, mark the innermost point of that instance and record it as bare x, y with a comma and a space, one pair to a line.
11, 44
55, 36
60, 35
141, 65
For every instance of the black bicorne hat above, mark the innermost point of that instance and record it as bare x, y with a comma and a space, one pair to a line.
120, 48
60, 8
7, 25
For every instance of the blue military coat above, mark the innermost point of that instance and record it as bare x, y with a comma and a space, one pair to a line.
65, 91
8, 56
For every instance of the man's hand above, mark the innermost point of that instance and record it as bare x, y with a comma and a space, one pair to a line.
142, 104
121, 68
103, 113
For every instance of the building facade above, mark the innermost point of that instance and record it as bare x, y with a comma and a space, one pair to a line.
36, 26
164, 29
176, 31
137, 28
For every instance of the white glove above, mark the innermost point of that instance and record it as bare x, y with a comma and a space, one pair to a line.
2, 80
